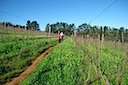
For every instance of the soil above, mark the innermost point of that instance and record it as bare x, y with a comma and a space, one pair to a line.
23, 75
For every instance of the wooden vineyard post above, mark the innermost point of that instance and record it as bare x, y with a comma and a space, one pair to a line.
122, 38
49, 34
25, 33
102, 31
74, 38
99, 37
102, 38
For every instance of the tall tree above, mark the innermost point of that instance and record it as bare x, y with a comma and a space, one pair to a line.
28, 24
83, 29
121, 32
47, 27
32, 25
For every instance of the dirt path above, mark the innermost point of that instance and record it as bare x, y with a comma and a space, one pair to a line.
23, 75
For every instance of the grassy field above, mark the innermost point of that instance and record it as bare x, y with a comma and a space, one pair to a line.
108, 61
14, 58
60, 67
73, 62
16, 34
17, 53
12, 35
81, 62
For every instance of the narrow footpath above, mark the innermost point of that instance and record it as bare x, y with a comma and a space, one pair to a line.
23, 75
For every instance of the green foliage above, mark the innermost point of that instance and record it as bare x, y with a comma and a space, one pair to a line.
98, 32
32, 25
9, 24
112, 61
15, 57
67, 29
69, 65
121, 30
61, 66
16, 36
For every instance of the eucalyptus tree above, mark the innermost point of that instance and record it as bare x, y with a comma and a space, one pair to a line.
83, 29
47, 27
32, 25
121, 34
28, 25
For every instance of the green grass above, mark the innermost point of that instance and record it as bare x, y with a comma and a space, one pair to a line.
68, 65
62, 66
112, 60
17, 37
15, 57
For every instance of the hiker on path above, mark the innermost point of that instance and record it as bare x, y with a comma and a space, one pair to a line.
62, 36
59, 38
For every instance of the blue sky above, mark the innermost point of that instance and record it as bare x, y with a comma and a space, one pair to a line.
70, 11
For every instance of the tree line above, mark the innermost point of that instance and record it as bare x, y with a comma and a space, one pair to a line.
58, 27
32, 25
108, 33
86, 30
29, 25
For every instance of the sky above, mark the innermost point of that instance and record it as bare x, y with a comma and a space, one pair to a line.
69, 11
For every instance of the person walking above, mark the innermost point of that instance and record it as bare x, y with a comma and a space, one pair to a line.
59, 38
62, 36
